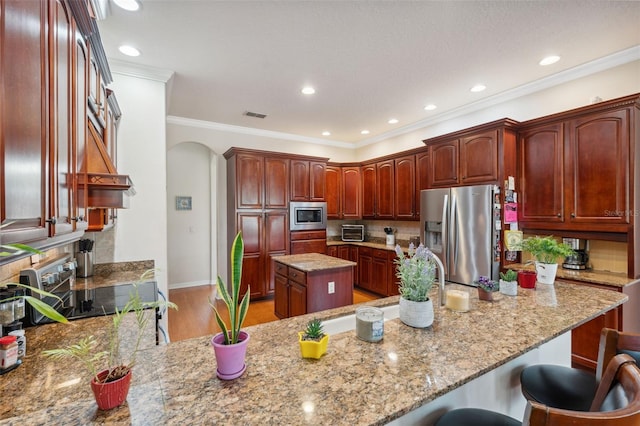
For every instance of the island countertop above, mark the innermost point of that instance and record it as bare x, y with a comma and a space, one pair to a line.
310, 262
355, 382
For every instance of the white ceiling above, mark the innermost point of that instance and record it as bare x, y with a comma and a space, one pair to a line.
368, 60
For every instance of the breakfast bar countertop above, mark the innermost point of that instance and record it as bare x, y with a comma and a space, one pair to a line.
355, 382
310, 262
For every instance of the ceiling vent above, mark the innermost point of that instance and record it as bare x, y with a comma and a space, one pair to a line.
255, 114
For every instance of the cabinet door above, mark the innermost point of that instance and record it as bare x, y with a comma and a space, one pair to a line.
276, 183
61, 149
392, 280
297, 299
299, 180
365, 268
597, 169
380, 272
444, 164
541, 174
354, 257
333, 182
369, 191
332, 251
276, 242
344, 252
281, 297
80, 70
351, 190
249, 181
405, 187
479, 158
385, 190
23, 120
317, 187
422, 177
252, 226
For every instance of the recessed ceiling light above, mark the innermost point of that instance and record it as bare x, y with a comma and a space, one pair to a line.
430, 107
326, 133
478, 88
364, 132
130, 5
549, 60
308, 90
393, 121
129, 50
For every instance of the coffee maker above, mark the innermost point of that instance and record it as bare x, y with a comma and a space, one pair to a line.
580, 259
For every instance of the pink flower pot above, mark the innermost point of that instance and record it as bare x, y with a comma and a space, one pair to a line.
230, 358
111, 394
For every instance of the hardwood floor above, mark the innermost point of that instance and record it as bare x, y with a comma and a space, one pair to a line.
195, 318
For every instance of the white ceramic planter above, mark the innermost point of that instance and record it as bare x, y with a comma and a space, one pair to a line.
546, 272
509, 288
416, 314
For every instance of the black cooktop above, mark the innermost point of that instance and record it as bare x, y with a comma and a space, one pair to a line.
104, 300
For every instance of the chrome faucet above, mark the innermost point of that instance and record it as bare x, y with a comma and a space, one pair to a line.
440, 277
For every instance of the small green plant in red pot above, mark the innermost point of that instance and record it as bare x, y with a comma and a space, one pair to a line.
230, 345
111, 364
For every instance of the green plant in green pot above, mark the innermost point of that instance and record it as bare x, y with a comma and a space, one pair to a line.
546, 251
313, 340
230, 345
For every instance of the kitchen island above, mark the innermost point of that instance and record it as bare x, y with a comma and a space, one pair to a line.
356, 382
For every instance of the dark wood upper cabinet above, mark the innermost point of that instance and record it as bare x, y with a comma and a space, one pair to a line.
351, 192
307, 180
422, 176
276, 178
249, 181
479, 158
24, 119
405, 187
385, 189
444, 164
333, 182
369, 183
541, 174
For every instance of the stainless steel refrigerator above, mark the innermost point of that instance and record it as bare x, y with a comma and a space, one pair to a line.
462, 227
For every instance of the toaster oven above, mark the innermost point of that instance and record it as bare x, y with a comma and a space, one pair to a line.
352, 232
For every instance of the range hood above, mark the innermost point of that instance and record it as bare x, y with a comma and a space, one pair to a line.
106, 188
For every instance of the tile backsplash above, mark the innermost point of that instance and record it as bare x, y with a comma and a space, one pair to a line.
374, 229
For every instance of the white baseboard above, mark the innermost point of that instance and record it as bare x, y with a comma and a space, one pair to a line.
190, 284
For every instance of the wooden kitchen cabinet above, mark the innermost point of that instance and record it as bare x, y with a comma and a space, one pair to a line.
307, 180
24, 203
422, 176
575, 169
308, 242
378, 190
290, 297
405, 188
333, 182
351, 192
260, 182
369, 182
373, 268
444, 164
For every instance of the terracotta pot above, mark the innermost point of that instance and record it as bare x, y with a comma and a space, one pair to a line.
485, 295
111, 394
311, 348
230, 358
416, 314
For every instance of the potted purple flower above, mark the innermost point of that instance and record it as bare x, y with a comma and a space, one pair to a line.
486, 288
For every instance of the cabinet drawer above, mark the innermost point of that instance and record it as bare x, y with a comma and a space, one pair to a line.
282, 269
298, 276
308, 235
366, 251
381, 254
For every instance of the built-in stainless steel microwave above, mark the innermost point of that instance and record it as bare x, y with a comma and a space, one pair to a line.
307, 215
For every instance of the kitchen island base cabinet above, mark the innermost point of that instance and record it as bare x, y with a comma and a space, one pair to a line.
301, 291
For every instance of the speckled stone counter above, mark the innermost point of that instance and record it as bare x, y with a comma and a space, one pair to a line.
612, 279
373, 244
110, 274
311, 262
354, 383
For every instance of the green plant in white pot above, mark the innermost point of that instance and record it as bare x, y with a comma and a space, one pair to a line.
509, 282
416, 272
546, 251
230, 345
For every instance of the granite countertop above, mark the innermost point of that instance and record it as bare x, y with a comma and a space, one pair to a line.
612, 279
373, 244
355, 382
110, 274
310, 262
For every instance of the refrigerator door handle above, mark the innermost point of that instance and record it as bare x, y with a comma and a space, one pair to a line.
445, 236
453, 241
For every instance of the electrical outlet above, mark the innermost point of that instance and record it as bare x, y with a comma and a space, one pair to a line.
331, 287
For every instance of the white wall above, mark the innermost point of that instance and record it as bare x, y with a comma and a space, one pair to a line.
189, 231
141, 231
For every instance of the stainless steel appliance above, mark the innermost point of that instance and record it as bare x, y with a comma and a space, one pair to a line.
353, 233
307, 215
459, 226
580, 259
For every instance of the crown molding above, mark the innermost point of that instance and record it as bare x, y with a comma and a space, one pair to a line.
189, 122
616, 59
140, 71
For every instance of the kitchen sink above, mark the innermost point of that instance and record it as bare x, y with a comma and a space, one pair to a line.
348, 322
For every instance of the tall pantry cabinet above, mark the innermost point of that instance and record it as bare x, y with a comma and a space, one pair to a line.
258, 206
